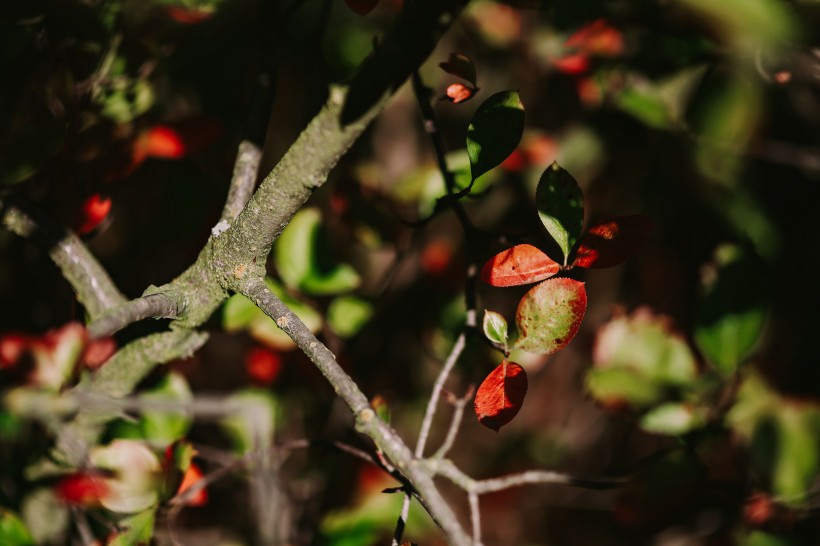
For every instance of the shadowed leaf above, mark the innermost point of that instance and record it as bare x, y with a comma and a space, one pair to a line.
561, 207
500, 395
550, 314
494, 131
460, 65
612, 241
362, 7
521, 264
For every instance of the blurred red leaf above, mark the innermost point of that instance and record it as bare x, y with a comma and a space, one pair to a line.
458, 92
263, 365
572, 64
597, 38
362, 7
460, 65
82, 488
500, 395
186, 16
521, 264
437, 257
98, 351
12, 347
191, 477
160, 141
612, 241
92, 212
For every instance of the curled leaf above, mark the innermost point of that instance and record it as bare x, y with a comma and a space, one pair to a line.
612, 241
521, 264
460, 65
550, 314
501, 395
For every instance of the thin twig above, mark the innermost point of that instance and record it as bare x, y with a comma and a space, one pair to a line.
475, 518
401, 522
151, 306
455, 423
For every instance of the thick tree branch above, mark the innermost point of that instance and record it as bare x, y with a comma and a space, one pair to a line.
94, 288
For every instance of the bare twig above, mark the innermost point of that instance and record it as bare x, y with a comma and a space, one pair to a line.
458, 415
94, 288
243, 181
475, 518
150, 306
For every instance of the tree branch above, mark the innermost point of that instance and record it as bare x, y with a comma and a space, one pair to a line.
243, 181
94, 288
150, 306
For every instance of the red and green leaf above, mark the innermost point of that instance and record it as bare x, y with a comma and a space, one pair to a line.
550, 314
612, 241
500, 396
560, 206
521, 264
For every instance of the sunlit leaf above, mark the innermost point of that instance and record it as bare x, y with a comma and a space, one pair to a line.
622, 387
560, 206
193, 475
672, 418
647, 343
458, 92
348, 314
731, 311
166, 426
135, 472
550, 314
495, 327
460, 65
303, 262
138, 529
494, 131
500, 395
521, 264
13, 531
362, 7
612, 241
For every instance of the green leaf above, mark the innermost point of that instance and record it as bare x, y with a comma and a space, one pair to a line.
495, 328
494, 131
166, 426
138, 529
303, 262
672, 418
732, 312
13, 531
560, 206
762, 538
550, 314
614, 387
252, 420
348, 314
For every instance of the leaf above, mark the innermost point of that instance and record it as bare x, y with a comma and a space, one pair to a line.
495, 328
672, 418
550, 314
612, 241
500, 396
460, 65
135, 472
166, 426
303, 262
731, 311
13, 531
45, 516
521, 264
560, 205
458, 92
618, 387
139, 529
252, 422
362, 7
347, 315
494, 131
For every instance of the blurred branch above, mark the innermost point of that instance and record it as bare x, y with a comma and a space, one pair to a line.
150, 306
94, 288
455, 422
367, 422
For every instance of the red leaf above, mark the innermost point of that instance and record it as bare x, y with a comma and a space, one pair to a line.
597, 38
612, 241
160, 141
186, 16
92, 212
521, 264
550, 314
12, 347
362, 7
192, 476
460, 65
500, 395
262, 365
98, 351
458, 92
82, 488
